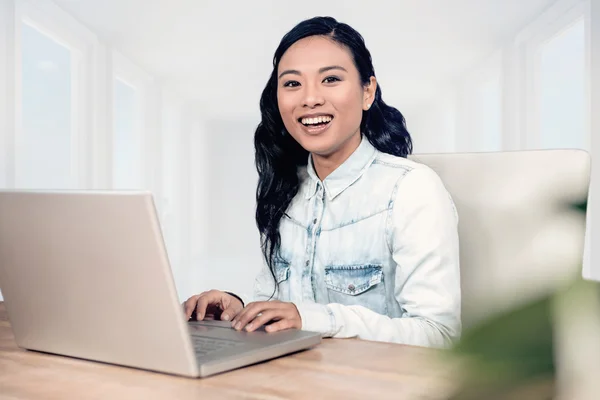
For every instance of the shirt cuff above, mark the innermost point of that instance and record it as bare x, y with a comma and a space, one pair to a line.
316, 318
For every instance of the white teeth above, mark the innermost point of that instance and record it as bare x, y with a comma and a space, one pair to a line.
316, 120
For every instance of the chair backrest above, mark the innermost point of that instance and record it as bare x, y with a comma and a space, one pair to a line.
519, 235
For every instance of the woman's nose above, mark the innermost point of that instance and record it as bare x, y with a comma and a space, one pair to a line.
312, 97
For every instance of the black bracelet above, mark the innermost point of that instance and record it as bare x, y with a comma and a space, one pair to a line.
237, 297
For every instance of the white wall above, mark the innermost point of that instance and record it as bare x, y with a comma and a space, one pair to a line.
434, 128
231, 255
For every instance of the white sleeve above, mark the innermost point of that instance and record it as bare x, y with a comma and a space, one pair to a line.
423, 239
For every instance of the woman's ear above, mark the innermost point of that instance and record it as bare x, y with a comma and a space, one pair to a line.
369, 93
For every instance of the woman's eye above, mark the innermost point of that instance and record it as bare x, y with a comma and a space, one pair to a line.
331, 79
291, 84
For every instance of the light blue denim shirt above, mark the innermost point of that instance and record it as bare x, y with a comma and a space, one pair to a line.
371, 252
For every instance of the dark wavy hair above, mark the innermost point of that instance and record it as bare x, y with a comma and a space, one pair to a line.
278, 155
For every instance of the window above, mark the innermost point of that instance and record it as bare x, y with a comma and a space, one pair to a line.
45, 146
132, 129
52, 59
557, 97
555, 79
562, 90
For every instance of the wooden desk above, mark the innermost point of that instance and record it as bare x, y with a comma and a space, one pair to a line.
336, 369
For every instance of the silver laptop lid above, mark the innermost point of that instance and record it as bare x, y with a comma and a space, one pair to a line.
73, 264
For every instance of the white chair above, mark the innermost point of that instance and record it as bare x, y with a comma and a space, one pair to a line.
519, 236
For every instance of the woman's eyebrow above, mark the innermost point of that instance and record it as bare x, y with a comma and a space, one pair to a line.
321, 70
332, 67
289, 71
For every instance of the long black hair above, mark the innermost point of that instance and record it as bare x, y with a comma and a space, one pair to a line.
278, 155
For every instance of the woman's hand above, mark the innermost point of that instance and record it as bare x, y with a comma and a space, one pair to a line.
257, 314
213, 304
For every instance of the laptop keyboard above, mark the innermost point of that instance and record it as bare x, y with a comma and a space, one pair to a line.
206, 345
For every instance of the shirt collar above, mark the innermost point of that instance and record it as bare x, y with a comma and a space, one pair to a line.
344, 175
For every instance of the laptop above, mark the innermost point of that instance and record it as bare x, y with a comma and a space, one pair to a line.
86, 274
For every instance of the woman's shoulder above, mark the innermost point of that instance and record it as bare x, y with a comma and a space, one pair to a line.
403, 165
409, 174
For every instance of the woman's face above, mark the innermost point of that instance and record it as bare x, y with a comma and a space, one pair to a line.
320, 96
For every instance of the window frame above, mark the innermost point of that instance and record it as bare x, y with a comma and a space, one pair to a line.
146, 107
559, 17
7, 93
59, 26
556, 20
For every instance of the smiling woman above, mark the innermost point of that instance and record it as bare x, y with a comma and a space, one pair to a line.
358, 241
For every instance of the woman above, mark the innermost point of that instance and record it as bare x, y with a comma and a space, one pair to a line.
358, 240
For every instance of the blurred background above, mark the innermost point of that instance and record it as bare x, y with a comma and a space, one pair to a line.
162, 95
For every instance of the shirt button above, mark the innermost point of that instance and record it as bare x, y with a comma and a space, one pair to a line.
307, 263
351, 287
314, 221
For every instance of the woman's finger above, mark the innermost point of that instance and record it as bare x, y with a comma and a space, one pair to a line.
263, 318
231, 311
190, 305
205, 301
280, 325
248, 314
201, 306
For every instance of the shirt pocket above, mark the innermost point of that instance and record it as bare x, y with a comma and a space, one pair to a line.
282, 275
357, 285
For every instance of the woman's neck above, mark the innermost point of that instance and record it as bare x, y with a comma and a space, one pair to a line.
324, 165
